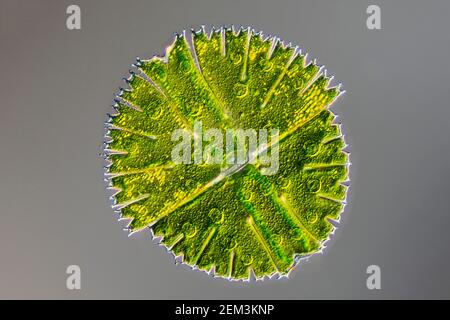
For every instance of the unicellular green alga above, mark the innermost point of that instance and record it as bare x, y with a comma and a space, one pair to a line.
225, 217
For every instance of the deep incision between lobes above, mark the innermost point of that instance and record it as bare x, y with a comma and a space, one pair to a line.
235, 221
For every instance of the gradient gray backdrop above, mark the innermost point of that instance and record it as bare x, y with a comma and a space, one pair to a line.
56, 86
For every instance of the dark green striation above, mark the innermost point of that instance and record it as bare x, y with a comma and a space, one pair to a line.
236, 221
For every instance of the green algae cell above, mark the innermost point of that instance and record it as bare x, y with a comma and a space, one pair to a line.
233, 221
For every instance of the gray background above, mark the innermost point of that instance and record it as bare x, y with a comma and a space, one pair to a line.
56, 86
